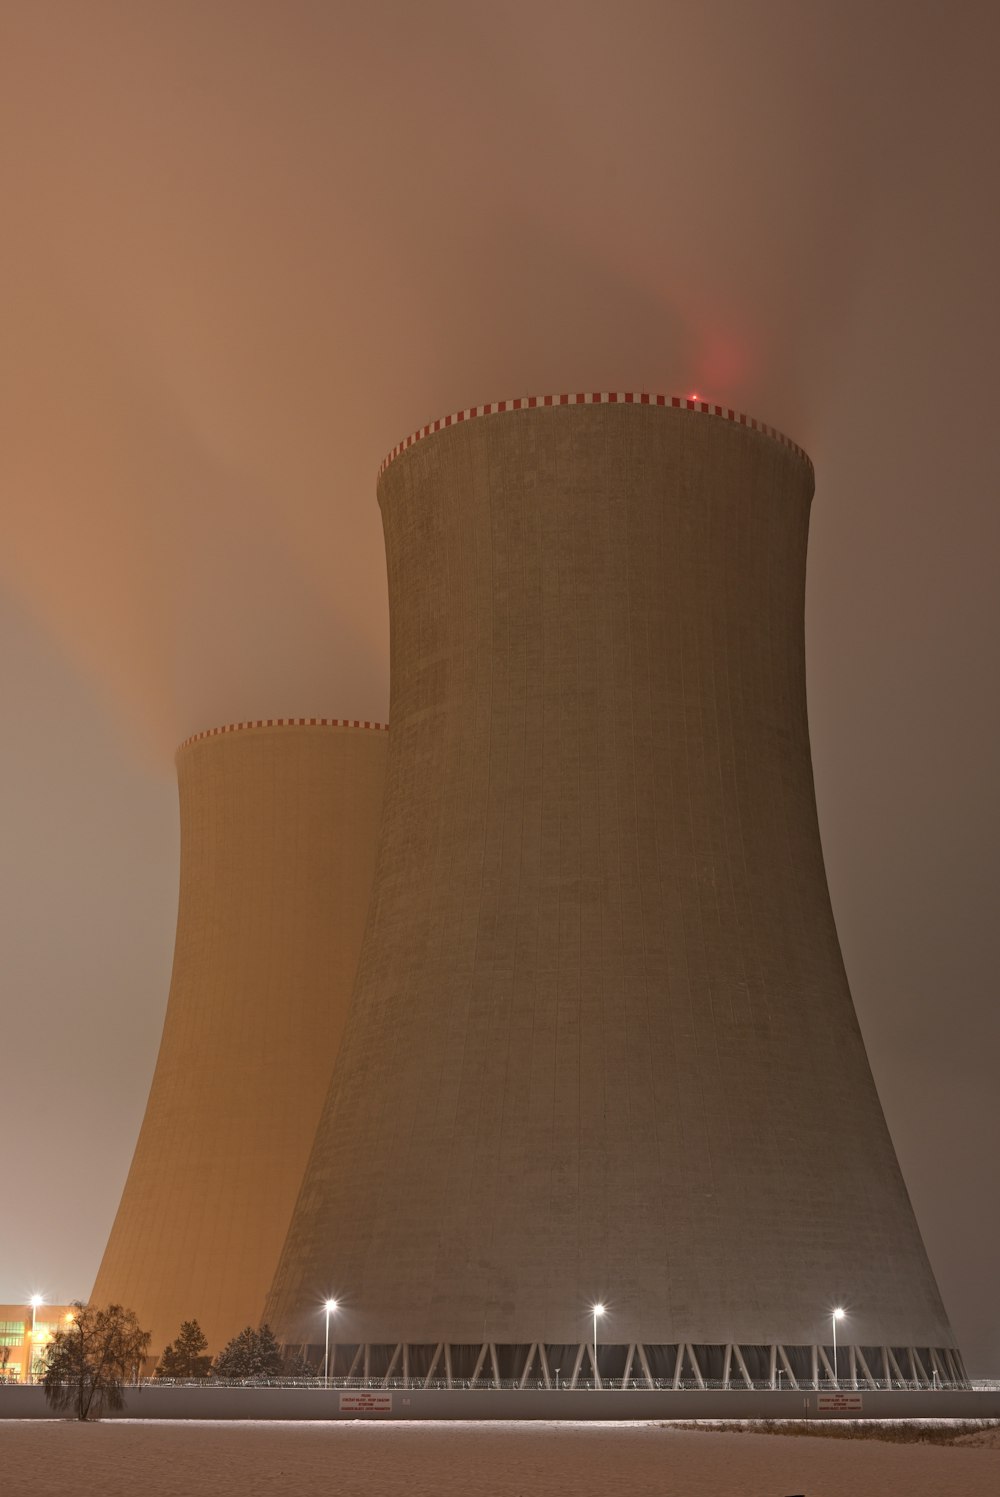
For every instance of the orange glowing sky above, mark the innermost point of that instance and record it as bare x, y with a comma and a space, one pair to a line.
249, 245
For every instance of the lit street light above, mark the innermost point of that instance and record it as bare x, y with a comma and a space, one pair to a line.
598, 1310
838, 1314
330, 1308
34, 1302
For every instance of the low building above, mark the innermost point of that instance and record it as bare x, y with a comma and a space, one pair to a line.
26, 1331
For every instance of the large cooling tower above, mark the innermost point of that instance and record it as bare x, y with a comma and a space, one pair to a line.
279, 828
602, 1046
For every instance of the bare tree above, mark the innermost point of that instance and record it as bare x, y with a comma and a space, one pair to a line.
90, 1361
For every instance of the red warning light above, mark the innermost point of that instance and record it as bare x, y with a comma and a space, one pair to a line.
694, 396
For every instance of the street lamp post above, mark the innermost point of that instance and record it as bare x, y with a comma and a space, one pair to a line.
35, 1301
330, 1308
598, 1310
837, 1314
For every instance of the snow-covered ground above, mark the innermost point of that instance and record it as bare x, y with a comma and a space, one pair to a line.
160, 1459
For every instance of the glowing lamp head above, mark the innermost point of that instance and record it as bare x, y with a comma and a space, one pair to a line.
330, 1306
838, 1314
598, 1309
35, 1301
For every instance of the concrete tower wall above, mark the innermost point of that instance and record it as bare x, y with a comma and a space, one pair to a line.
602, 1045
279, 826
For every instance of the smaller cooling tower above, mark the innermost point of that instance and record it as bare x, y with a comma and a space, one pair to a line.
279, 822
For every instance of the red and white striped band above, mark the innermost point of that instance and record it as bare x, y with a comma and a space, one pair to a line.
285, 722
605, 397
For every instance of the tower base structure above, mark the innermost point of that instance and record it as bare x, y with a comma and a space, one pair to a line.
681, 1365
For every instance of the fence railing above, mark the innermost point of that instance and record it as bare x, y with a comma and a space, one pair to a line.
415, 1383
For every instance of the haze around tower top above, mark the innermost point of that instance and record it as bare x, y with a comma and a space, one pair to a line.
250, 246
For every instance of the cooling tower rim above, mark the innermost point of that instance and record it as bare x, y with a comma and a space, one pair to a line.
602, 397
283, 722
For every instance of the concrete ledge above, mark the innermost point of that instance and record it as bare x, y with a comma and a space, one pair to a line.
210, 1402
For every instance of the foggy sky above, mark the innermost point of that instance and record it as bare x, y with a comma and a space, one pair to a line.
249, 246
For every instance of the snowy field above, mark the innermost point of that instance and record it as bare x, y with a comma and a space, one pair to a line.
160, 1459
